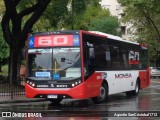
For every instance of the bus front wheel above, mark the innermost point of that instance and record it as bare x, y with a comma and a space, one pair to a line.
103, 95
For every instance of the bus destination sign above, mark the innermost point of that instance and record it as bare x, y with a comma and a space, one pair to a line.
53, 40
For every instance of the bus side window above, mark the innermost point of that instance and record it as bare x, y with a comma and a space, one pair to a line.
143, 59
89, 58
119, 58
100, 57
115, 59
125, 58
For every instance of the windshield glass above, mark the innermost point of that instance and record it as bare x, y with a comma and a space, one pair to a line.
54, 63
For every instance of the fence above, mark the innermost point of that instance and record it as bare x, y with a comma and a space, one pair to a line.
11, 91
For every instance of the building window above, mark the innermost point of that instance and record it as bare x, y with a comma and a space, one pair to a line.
123, 30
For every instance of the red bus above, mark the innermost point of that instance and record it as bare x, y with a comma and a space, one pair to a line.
84, 64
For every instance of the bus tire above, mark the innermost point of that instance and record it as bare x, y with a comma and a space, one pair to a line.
103, 95
55, 101
134, 92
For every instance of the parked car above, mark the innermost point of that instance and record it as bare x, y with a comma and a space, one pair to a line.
155, 72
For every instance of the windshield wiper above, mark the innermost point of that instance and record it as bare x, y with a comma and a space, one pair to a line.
77, 55
64, 59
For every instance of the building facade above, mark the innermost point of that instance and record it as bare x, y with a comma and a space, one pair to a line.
117, 10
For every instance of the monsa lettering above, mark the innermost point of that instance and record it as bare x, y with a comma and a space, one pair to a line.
126, 75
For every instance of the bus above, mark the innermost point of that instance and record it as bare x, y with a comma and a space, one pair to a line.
82, 64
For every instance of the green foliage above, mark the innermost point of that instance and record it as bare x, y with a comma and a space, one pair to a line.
4, 49
107, 25
55, 13
2, 7
4, 70
92, 12
144, 14
70, 14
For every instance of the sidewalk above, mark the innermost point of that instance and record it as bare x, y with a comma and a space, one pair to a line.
19, 99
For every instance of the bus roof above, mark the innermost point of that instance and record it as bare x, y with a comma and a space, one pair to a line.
113, 37
87, 32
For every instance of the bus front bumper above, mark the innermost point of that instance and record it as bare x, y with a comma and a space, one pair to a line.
76, 92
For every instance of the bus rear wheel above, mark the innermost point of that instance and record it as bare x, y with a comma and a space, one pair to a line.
103, 95
134, 92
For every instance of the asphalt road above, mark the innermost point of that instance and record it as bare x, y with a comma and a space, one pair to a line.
146, 105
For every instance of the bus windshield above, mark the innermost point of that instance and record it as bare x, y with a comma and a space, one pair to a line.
54, 63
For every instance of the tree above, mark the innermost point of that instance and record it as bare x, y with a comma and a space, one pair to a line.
81, 20
68, 14
108, 25
144, 16
20, 17
4, 51
15, 34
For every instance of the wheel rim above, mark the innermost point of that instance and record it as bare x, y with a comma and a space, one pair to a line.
137, 88
102, 93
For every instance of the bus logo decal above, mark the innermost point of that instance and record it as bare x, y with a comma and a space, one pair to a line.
76, 40
126, 75
31, 42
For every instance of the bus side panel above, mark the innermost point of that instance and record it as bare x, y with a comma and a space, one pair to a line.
121, 81
148, 77
93, 84
145, 78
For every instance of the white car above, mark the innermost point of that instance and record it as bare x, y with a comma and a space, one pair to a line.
155, 71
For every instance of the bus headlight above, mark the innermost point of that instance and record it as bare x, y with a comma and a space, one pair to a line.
31, 83
76, 83
73, 84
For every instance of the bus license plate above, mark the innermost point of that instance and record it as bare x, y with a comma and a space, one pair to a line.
52, 96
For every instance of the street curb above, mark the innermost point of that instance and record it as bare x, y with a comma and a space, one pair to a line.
22, 101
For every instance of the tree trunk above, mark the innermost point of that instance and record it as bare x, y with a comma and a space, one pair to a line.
13, 65
19, 61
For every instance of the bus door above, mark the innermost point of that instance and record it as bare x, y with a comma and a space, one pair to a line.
92, 78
